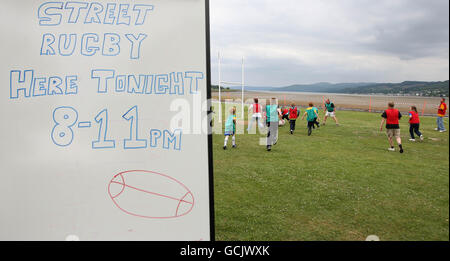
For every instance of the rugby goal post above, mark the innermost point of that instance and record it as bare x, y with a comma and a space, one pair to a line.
242, 84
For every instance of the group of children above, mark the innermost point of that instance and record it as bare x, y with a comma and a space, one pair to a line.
275, 116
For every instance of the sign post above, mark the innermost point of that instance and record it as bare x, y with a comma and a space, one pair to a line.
105, 108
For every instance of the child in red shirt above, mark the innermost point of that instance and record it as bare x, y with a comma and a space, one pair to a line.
294, 112
414, 123
285, 114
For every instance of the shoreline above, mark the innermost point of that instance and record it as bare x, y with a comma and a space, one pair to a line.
327, 93
427, 106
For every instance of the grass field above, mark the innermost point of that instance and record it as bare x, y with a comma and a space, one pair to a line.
340, 183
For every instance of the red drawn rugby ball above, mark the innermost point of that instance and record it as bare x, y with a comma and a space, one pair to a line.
149, 194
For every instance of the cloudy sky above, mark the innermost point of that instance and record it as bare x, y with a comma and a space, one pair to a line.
306, 41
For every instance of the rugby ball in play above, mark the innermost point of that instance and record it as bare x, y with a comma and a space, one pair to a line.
149, 194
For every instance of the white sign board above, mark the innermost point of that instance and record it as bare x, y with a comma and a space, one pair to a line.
103, 107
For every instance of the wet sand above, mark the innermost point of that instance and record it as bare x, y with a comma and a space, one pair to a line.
373, 103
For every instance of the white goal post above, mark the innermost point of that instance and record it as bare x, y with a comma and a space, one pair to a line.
242, 84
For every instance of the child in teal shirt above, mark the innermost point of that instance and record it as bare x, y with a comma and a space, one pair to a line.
230, 128
273, 114
315, 120
311, 117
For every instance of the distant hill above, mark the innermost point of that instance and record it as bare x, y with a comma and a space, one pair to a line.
319, 87
415, 88
315, 87
404, 88
215, 88
253, 88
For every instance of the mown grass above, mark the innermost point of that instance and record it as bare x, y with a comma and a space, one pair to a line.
340, 183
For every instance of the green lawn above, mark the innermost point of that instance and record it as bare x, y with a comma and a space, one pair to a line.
340, 183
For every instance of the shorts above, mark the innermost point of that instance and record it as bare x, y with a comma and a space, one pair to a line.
229, 133
257, 115
330, 114
393, 133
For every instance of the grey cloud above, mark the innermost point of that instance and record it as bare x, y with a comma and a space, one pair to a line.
301, 41
418, 29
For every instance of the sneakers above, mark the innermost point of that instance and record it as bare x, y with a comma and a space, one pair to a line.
292, 132
269, 148
224, 147
421, 137
309, 132
393, 149
234, 146
436, 129
442, 130
412, 139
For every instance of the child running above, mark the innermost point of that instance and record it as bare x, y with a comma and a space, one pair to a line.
311, 117
230, 128
294, 112
330, 111
273, 115
414, 123
256, 116
315, 119
285, 113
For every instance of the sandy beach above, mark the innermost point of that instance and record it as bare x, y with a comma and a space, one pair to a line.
372, 103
